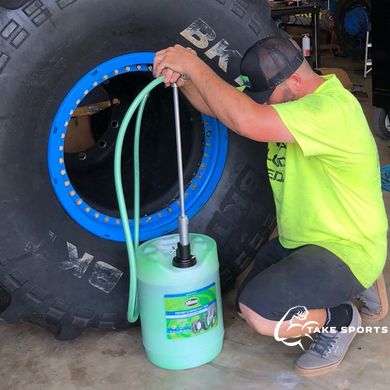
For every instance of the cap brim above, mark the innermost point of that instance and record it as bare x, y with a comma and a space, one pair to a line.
259, 97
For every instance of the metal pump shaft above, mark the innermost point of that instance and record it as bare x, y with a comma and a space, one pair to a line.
183, 255
183, 220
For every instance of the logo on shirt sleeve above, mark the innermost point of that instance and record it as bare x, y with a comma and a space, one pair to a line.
276, 162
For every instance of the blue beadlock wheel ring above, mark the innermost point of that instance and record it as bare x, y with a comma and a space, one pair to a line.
164, 221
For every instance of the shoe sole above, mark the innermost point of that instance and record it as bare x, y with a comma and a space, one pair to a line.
331, 367
381, 288
317, 371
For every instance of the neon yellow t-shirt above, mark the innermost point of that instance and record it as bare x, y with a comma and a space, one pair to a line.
327, 186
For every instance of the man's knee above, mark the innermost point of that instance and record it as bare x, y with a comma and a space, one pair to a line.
260, 324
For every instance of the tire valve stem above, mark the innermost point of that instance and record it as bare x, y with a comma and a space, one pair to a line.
183, 258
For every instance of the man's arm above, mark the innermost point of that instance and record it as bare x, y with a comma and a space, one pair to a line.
195, 98
236, 110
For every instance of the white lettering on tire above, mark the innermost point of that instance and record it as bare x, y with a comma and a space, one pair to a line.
200, 34
104, 276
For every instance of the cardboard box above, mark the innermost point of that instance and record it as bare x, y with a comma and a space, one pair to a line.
341, 74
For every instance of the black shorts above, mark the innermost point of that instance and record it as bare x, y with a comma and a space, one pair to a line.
308, 276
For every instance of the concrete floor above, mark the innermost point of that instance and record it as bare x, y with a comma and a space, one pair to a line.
32, 359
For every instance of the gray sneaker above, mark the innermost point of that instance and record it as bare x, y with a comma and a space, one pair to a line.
374, 300
328, 349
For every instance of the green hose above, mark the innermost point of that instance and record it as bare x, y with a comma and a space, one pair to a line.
139, 101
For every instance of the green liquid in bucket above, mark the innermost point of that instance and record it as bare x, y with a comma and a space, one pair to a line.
180, 308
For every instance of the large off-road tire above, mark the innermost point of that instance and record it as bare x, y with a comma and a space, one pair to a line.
381, 122
63, 262
353, 42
